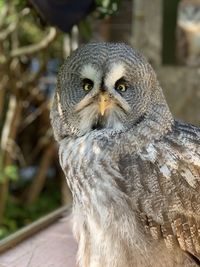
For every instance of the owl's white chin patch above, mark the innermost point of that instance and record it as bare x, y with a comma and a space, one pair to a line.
113, 122
107, 123
90, 119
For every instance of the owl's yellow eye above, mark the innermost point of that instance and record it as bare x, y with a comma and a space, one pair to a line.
87, 85
121, 87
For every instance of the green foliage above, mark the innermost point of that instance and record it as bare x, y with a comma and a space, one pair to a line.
19, 4
19, 213
9, 172
107, 7
1, 5
29, 29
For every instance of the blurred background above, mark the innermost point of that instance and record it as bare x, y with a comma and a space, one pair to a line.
35, 37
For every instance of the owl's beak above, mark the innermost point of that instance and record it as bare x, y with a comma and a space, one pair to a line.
104, 102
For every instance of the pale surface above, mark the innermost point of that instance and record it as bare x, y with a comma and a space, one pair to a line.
52, 247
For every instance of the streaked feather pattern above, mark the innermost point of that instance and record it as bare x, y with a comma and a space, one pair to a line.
134, 172
155, 191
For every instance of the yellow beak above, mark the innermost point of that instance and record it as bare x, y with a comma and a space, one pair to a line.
104, 102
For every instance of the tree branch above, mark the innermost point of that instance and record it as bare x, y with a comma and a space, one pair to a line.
4, 33
31, 49
11, 28
3, 85
39, 181
4, 13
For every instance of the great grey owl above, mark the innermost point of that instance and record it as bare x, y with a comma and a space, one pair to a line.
188, 32
133, 170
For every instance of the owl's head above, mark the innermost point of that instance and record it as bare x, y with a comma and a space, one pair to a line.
104, 85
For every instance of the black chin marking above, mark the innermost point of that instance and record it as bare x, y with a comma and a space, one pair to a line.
98, 124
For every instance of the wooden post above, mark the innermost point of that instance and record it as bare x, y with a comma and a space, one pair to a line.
147, 29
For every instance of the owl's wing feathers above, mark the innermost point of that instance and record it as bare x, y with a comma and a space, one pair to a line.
168, 199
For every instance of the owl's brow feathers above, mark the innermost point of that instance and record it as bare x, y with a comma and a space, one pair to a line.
90, 72
117, 71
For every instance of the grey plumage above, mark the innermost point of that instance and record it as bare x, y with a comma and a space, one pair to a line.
133, 170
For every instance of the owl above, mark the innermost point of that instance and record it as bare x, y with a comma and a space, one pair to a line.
188, 32
134, 171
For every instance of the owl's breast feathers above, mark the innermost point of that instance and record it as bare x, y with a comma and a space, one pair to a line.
159, 181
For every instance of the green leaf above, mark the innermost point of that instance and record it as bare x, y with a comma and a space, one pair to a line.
106, 8
11, 171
